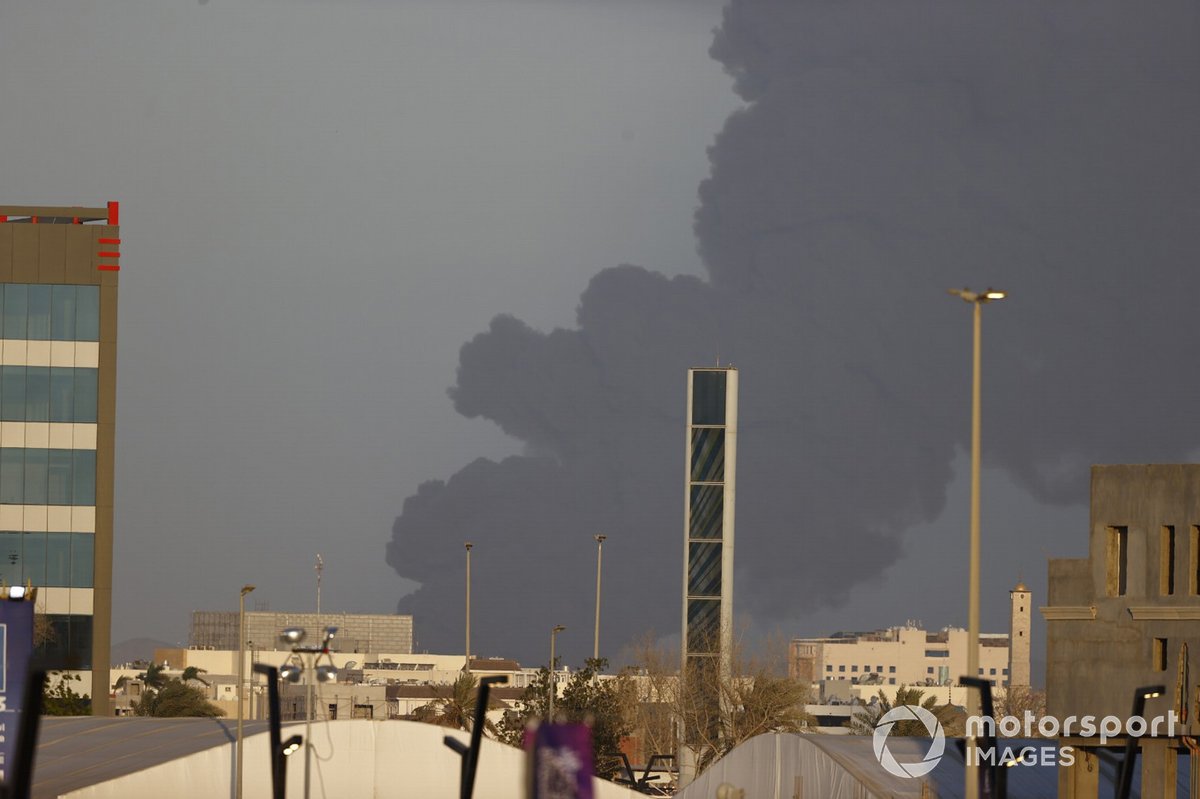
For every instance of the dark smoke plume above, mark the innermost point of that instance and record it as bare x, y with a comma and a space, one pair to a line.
887, 151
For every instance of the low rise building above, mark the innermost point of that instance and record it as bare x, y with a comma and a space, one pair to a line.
1125, 618
357, 632
896, 656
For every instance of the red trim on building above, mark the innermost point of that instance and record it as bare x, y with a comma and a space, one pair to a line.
114, 212
109, 254
109, 241
108, 267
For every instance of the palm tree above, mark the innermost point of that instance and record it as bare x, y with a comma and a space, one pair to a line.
177, 699
193, 673
455, 706
154, 677
864, 721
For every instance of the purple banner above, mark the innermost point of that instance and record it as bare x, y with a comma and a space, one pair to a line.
16, 645
560, 761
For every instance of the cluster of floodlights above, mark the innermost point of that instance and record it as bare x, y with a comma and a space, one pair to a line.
293, 669
18, 593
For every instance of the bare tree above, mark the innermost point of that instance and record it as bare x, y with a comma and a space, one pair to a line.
715, 711
1019, 699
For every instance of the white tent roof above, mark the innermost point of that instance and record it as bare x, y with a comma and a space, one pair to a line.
129, 758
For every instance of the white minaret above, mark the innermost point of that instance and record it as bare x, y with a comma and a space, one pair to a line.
1018, 636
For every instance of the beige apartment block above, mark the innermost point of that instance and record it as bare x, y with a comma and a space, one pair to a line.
910, 655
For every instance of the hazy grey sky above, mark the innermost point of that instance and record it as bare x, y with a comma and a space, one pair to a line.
323, 202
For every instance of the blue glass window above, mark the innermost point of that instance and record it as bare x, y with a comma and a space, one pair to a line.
704, 569
708, 455
54, 394
83, 477
70, 645
35, 476
16, 308
12, 476
37, 394
708, 397
703, 625
58, 477
38, 319
62, 313
62, 394
50, 312
33, 547
87, 313
82, 559
85, 395
12, 393
10, 558
47, 476
707, 511
58, 559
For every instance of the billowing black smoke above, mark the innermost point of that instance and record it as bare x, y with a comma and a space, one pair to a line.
887, 151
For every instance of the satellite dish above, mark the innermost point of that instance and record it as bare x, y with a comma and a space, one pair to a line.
350, 664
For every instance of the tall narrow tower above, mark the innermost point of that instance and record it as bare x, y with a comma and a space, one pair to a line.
1018, 636
58, 366
709, 491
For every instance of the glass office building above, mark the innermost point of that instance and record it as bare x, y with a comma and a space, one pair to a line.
711, 461
58, 326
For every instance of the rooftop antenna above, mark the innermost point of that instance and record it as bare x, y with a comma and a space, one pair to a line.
320, 567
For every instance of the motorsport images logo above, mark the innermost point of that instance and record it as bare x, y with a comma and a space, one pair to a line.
932, 726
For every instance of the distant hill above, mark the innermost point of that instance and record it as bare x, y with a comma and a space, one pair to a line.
136, 649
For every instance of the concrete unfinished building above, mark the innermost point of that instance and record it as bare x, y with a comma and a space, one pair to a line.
357, 632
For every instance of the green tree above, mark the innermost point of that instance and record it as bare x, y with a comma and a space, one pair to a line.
599, 703
60, 699
176, 699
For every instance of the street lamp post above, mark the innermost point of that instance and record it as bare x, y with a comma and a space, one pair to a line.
558, 628
1125, 778
976, 299
467, 649
241, 678
294, 669
600, 539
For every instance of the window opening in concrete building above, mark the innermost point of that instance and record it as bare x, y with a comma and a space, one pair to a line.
1195, 565
1166, 560
1118, 560
1160, 654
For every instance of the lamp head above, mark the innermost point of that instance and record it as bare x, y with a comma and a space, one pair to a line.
558, 628
247, 589
291, 672
292, 635
600, 539
979, 297
326, 673
291, 745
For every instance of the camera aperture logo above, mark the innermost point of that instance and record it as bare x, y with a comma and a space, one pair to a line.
932, 726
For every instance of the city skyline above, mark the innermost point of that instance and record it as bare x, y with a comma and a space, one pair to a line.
554, 210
